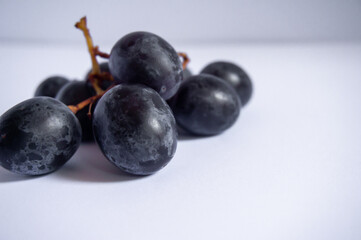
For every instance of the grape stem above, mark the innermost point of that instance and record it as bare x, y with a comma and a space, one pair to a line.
185, 58
83, 104
95, 75
102, 76
92, 50
89, 101
97, 52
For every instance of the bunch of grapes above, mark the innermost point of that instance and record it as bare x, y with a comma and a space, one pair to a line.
131, 106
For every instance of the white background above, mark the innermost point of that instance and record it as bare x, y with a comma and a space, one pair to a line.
290, 168
183, 21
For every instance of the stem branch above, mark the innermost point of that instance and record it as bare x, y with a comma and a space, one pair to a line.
97, 52
186, 59
88, 101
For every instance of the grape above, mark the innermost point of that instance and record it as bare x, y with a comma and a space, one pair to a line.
233, 74
205, 105
135, 129
145, 58
73, 93
38, 136
50, 86
186, 73
104, 84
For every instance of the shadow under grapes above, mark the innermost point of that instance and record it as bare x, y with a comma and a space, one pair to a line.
7, 177
90, 165
185, 136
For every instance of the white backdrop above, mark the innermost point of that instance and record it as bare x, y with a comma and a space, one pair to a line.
289, 169
185, 21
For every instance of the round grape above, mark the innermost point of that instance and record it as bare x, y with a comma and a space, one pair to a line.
38, 136
205, 105
145, 58
135, 129
234, 75
50, 86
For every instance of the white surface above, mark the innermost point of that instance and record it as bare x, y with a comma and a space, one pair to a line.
182, 21
290, 168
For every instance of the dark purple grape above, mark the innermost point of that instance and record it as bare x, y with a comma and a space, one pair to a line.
50, 86
135, 129
205, 105
73, 93
234, 75
145, 58
38, 136
105, 84
186, 74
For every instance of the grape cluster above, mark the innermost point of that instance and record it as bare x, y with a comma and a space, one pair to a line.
131, 106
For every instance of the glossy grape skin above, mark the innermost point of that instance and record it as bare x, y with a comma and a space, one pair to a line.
135, 129
50, 86
38, 136
104, 67
205, 105
145, 58
234, 75
73, 93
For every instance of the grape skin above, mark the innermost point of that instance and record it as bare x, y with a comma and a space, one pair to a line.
38, 136
50, 86
135, 129
205, 105
73, 93
145, 58
234, 75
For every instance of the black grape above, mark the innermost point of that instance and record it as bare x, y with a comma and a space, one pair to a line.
50, 86
135, 129
105, 84
205, 105
73, 93
145, 58
38, 136
233, 74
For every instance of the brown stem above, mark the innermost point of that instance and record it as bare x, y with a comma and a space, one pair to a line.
97, 52
83, 27
186, 59
102, 76
83, 104
89, 114
95, 66
89, 101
